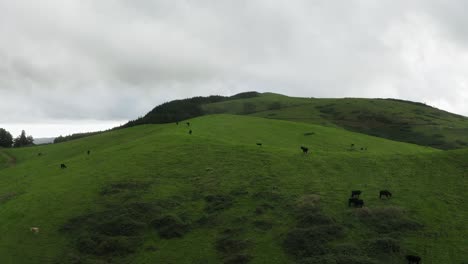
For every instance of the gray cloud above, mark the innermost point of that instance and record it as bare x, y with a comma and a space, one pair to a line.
115, 60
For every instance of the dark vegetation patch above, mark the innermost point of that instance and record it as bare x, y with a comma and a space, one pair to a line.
7, 197
119, 229
119, 187
311, 241
383, 245
248, 108
263, 225
170, 226
268, 195
392, 125
232, 247
313, 231
218, 202
309, 133
274, 106
338, 259
239, 192
461, 143
318, 238
387, 220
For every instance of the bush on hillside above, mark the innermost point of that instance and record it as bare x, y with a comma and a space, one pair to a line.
170, 226
218, 202
387, 219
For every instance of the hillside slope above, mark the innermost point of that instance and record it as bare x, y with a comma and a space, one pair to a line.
388, 118
155, 194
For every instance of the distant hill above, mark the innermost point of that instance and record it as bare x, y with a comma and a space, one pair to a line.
40, 141
393, 119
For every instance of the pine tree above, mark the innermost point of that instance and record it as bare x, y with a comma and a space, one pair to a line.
6, 139
23, 140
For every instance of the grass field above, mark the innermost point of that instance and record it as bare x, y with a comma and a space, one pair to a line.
155, 194
388, 118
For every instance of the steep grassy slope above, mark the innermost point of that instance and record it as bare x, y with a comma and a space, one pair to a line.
155, 194
387, 118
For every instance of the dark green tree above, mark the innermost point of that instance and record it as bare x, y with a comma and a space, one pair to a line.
23, 140
6, 139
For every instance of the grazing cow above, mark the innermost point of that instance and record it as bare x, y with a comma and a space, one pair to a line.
190, 132
413, 259
356, 202
355, 193
385, 193
359, 203
35, 230
89, 152
63, 166
188, 123
259, 144
352, 201
304, 149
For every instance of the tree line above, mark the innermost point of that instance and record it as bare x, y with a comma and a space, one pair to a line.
7, 140
178, 110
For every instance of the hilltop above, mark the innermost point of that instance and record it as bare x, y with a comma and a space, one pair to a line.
155, 194
393, 119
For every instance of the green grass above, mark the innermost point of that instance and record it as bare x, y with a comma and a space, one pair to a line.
257, 191
392, 119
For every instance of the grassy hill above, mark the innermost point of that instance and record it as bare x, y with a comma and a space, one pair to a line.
155, 194
388, 118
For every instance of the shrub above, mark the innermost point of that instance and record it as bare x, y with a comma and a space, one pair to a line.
238, 259
120, 226
218, 202
230, 245
385, 245
387, 219
170, 226
116, 245
262, 224
306, 242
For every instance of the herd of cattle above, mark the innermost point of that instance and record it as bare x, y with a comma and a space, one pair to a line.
356, 202
353, 200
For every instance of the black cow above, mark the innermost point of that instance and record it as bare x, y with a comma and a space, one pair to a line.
63, 166
355, 193
385, 193
304, 149
259, 144
356, 202
190, 132
352, 201
188, 123
359, 203
413, 259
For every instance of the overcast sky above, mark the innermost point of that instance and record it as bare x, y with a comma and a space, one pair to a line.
71, 66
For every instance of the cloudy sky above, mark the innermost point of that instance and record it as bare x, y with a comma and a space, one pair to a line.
70, 66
